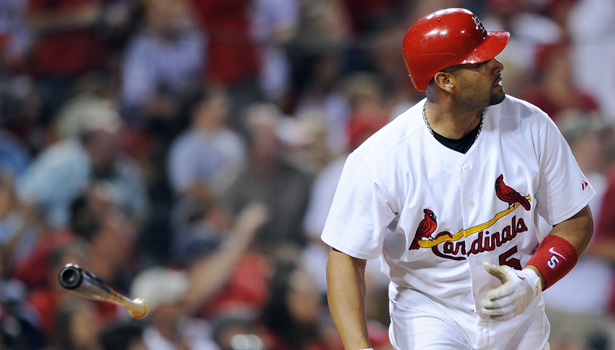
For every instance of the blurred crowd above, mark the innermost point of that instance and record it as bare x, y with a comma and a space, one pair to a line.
187, 151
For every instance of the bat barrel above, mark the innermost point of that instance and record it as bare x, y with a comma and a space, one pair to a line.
82, 282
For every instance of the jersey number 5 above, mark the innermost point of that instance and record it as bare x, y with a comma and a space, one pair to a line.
505, 259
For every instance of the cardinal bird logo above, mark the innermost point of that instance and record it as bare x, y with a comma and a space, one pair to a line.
426, 228
509, 195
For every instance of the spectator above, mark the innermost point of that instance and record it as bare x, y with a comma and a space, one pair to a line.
293, 310
593, 51
384, 64
324, 27
369, 112
559, 12
232, 60
169, 325
69, 46
306, 138
318, 90
232, 53
207, 157
318, 55
15, 85
200, 224
274, 23
226, 273
529, 30
18, 234
555, 91
268, 178
161, 62
99, 241
57, 175
15, 36
111, 236
296, 317
34, 269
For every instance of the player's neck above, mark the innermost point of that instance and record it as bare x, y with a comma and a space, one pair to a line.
452, 123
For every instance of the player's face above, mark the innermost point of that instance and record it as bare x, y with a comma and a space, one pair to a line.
480, 83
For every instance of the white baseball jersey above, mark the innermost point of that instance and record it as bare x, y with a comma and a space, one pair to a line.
434, 215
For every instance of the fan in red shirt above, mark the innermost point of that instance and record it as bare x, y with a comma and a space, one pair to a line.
555, 91
232, 53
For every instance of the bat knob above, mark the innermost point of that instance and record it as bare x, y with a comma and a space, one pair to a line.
141, 309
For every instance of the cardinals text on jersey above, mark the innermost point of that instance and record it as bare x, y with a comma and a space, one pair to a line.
451, 246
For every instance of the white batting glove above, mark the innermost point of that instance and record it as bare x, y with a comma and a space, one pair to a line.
517, 291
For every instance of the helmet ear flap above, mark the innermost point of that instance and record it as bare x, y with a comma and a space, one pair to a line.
445, 38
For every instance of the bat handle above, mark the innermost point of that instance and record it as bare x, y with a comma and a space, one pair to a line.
137, 308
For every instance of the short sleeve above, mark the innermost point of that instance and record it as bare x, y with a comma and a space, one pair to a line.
563, 189
360, 212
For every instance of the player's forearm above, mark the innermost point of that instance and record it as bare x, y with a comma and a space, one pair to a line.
577, 230
576, 233
346, 294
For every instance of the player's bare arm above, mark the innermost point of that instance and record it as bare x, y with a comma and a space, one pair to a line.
346, 294
577, 230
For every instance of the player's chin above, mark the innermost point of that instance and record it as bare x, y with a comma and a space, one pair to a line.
497, 95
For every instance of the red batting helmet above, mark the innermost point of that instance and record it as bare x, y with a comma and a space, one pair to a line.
445, 38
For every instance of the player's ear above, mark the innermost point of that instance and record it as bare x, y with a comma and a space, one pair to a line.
444, 80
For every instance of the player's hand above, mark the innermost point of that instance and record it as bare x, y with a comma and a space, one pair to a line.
517, 291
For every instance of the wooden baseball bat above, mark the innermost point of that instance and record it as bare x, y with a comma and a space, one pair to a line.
86, 284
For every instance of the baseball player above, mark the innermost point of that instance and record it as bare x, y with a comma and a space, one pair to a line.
448, 195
